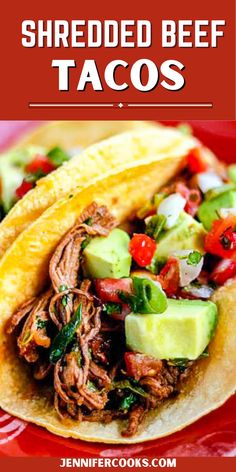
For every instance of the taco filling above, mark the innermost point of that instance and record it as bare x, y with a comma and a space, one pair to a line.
127, 312
21, 169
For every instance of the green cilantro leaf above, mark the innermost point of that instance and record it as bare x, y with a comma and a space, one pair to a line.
128, 401
111, 308
58, 156
155, 226
62, 288
41, 323
194, 258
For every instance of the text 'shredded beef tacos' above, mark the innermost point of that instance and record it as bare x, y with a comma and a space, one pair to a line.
32, 173
117, 303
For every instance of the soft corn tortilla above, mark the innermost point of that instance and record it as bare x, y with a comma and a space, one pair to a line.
24, 271
76, 135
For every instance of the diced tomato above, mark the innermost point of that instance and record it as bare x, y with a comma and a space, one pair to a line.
23, 188
196, 162
140, 365
169, 277
142, 249
221, 240
108, 289
225, 269
40, 163
192, 196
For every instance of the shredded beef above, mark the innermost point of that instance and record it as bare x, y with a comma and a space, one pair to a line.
33, 333
41, 369
20, 315
162, 385
85, 375
136, 416
65, 262
103, 416
100, 374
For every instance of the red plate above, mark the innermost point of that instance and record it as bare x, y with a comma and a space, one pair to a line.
213, 435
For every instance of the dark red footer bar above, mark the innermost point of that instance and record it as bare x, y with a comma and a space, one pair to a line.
193, 464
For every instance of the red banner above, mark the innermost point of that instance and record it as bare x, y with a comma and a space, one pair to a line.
202, 41
215, 464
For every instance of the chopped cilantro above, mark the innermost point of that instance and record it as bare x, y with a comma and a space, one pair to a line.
62, 288
65, 299
89, 221
91, 386
194, 258
130, 299
131, 385
204, 354
41, 323
58, 156
155, 266
111, 308
85, 242
183, 363
128, 401
180, 363
155, 226
65, 336
77, 352
158, 197
32, 178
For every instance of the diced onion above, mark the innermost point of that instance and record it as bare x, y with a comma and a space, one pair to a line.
187, 272
225, 212
203, 291
74, 151
171, 208
208, 181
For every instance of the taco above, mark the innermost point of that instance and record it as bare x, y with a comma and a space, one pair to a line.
117, 303
37, 163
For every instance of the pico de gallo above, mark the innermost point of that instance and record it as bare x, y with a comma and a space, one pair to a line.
21, 169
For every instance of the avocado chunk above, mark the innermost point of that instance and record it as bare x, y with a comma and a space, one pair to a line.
187, 234
207, 211
183, 331
108, 256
